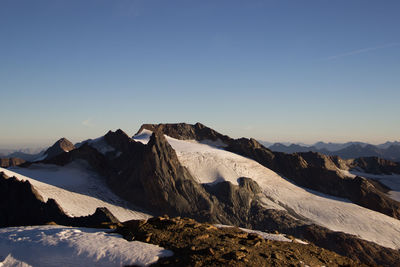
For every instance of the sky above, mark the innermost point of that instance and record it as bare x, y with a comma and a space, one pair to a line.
287, 71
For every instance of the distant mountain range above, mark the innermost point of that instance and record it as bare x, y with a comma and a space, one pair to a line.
28, 154
349, 150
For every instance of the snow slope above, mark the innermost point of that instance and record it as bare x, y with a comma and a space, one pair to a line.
66, 246
210, 164
76, 189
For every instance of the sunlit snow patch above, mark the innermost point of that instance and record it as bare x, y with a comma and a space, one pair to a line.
65, 246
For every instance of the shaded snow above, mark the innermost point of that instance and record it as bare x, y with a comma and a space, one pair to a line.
76, 189
101, 145
143, 137
41, 157
209, 165
67, 246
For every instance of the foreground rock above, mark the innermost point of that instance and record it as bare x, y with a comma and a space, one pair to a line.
202, 244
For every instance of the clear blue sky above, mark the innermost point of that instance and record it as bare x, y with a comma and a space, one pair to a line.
299, 71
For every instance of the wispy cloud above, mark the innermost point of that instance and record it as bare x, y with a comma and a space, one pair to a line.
361, 51
88, 122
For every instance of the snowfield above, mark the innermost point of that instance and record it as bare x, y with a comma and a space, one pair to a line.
49, 246
76, 189
210, 164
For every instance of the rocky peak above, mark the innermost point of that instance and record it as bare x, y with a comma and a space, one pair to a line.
119, 140
61, 146
184, 131
376, 165
316, 159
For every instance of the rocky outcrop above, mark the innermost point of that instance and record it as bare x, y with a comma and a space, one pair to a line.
184, 131
96, 160
61, 146
10, 162
319, 172
375, 165
154, 179
200, 244
21, 204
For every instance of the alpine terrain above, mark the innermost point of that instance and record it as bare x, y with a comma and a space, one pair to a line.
186, 195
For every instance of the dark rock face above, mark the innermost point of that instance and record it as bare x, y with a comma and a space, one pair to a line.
156, 181
20, 204
95, 159
376, 165
184, 131
366, 194
10, 162
319, 172
61, 146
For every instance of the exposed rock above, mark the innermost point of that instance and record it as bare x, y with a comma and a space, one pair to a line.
21, 204
61, 146
96, 160
157, 181
206, 245
312, 170
319, 172
376, 165
184, 131
10, 162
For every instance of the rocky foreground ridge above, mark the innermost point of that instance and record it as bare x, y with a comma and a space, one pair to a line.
203, 244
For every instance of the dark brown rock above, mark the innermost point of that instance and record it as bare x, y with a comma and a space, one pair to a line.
184, 131
10, 162
61, 146
376, 165
224, 246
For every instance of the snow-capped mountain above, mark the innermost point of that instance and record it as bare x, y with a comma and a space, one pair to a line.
194, 171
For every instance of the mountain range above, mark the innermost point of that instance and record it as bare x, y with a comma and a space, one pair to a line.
161, 184
349, 150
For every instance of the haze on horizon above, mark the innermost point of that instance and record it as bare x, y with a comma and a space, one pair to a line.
279, 71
